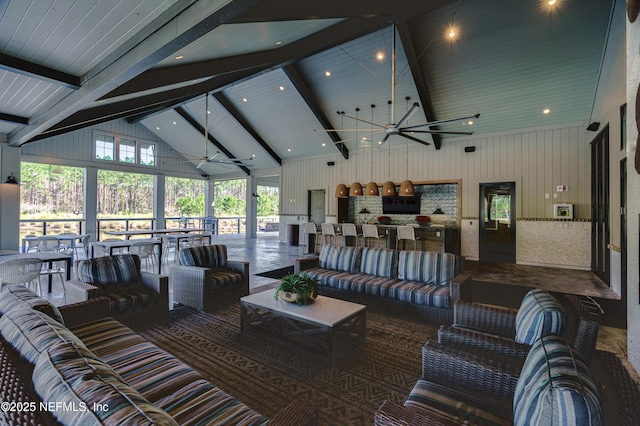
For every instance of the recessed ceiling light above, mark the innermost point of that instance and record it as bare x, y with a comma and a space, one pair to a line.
208, 112
179, 57
281, 87
452, 32
174, 123
546, 111
327, 73
552, 2
244, 99
157, 128
324, 144
379, 142
380, 56
470, 122
253, 155
289, 150
278, 43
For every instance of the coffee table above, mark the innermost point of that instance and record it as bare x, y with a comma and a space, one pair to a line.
326, 329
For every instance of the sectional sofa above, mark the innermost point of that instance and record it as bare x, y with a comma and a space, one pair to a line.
97, 371
427, 283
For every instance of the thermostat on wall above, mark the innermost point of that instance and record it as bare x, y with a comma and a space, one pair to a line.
562, 211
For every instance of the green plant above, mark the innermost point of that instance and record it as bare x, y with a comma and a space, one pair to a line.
302, 285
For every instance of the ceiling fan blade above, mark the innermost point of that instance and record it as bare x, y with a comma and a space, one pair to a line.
386, 138
407, 115
404, 135
359, 137
441, 132
435, 123
364, 121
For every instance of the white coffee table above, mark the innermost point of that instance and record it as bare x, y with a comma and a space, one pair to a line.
326, 329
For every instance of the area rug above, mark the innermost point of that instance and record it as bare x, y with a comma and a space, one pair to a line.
277, 273
267, 376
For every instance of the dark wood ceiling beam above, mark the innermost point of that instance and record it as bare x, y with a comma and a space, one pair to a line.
29, 69
242, 120
9, 118
418, 77
192, 121
305, 91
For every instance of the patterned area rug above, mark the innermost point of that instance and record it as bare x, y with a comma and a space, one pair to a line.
266, 376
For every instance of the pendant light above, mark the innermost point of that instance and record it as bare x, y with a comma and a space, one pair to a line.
11, 179
372, 187
355, 190
389, 188
406, 186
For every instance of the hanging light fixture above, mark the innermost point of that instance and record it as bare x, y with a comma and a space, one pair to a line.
11, 179
342, 191
389, 188
406, 186
372, 187
355, 190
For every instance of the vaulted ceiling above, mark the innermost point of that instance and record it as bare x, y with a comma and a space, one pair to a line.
276, 74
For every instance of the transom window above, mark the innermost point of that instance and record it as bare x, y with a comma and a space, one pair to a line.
124, 150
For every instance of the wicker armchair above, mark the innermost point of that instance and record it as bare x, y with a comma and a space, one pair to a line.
205, 278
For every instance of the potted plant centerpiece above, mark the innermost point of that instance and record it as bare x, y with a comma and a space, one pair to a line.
297, 288
423, 220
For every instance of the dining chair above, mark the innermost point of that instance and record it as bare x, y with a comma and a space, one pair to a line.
145, 251
311, 237
22, 271
328, 233
48, 243
169, 245
194, 240
349, 230
31, 243
115, 250
406, 233
371, 231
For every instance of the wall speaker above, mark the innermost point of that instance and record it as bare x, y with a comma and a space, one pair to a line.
593, 126
331, 163
469, 148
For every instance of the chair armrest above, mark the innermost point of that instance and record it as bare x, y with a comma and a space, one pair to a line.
460, 287
488, 318
471, 339
477, 372
242, 268
77, 291
305, 263
82, 312
157, 283
296, 413
391, 413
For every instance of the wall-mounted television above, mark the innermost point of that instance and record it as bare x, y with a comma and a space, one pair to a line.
401, 205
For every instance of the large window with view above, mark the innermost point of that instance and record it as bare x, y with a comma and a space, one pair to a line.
229, 206
184, 202
124, 150
51, 199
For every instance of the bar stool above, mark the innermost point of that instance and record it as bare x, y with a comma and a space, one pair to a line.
328, 233
310, 229
349, 230
371, 231
406, 233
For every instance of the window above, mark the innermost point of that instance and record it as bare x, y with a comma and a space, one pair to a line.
128, 150
104, 147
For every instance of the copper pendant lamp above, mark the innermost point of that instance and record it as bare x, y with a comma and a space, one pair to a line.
389, 189
342, 191
407, 189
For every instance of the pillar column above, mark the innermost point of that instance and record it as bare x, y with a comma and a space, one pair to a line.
9, 198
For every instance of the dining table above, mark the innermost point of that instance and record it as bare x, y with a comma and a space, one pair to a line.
71, 238
111, 245
129, 233
49, 257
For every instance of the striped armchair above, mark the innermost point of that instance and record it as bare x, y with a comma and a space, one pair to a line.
206, 278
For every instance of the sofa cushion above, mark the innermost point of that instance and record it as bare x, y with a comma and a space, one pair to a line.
212, 256
130, 299
18, 296
429, 267
555, 387
110, 271
539, 314
95, 393
343, 258
328, 277
379, 262
31, 332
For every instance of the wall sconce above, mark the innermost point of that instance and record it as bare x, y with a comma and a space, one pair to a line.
11, 179
254, 195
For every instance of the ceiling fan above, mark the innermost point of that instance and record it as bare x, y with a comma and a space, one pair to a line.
399, 128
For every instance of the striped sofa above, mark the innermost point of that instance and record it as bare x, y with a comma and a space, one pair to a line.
205, 278
555, 387
137, 298
101, 372
424, 282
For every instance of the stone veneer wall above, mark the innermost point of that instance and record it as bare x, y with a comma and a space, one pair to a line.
433, 196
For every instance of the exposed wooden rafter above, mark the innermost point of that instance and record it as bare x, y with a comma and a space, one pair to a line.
29, 69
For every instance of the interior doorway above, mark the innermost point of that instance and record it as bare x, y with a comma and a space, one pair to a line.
600, 226
497, 236
316, 205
